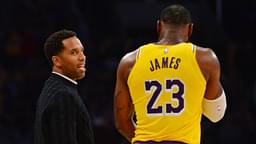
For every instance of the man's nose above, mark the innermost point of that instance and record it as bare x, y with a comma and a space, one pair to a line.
82, 56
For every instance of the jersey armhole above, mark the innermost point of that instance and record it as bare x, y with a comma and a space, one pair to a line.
134, 65
194, 47
138, 54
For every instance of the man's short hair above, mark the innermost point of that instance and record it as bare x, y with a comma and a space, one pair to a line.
54, 43
176, 15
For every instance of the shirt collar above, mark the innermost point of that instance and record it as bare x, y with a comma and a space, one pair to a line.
65, 77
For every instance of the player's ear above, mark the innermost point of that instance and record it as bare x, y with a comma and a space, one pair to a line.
190, 29
56, 61
158, 26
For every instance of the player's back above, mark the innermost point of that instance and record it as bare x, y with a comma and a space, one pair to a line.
167, 89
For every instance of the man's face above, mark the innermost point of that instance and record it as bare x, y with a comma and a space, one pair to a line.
72, 59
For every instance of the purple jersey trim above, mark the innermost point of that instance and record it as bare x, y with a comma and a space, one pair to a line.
162, 142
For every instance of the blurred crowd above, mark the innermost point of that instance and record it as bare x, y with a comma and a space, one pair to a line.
108, 30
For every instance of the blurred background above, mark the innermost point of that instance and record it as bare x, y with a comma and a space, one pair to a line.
108, 29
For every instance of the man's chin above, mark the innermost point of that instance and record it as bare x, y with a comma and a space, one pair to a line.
81, 76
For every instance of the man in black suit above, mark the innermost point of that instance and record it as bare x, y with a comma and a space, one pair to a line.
61, 116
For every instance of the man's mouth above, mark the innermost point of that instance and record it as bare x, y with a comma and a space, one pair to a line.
81, 67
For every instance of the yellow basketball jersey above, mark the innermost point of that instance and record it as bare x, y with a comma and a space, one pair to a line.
167, 89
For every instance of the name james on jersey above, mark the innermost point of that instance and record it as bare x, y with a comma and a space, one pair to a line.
165, 62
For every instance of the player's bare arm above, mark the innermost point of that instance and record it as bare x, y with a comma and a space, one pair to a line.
123, 107
210, 68
214, 103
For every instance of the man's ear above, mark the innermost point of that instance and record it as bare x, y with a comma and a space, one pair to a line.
158, 27
190, 29
56, 61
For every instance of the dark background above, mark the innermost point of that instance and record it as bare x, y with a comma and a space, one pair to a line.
108, 29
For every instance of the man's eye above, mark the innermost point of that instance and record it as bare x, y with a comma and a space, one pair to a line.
73, 52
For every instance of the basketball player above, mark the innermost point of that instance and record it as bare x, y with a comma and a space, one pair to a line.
61, 116
168, 85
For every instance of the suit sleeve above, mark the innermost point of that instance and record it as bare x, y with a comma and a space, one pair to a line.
59, 120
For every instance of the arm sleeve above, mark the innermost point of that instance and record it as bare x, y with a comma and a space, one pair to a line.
215, 109
59, 120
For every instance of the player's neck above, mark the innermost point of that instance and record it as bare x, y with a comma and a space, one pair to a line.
171, 40
171, 37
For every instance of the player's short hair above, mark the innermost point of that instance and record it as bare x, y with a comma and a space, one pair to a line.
176, 15
54, 43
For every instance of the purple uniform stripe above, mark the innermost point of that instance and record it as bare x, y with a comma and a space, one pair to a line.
163, 142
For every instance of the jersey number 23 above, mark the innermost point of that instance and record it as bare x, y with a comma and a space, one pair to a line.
156, 94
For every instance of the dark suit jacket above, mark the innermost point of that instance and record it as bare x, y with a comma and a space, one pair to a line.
61, 116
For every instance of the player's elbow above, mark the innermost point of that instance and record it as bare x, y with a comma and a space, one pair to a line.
118, 127
122, 130
215, 118
215, 110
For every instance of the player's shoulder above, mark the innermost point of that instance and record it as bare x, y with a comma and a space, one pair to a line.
203, 50
129, 57
205, 53
206, 57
